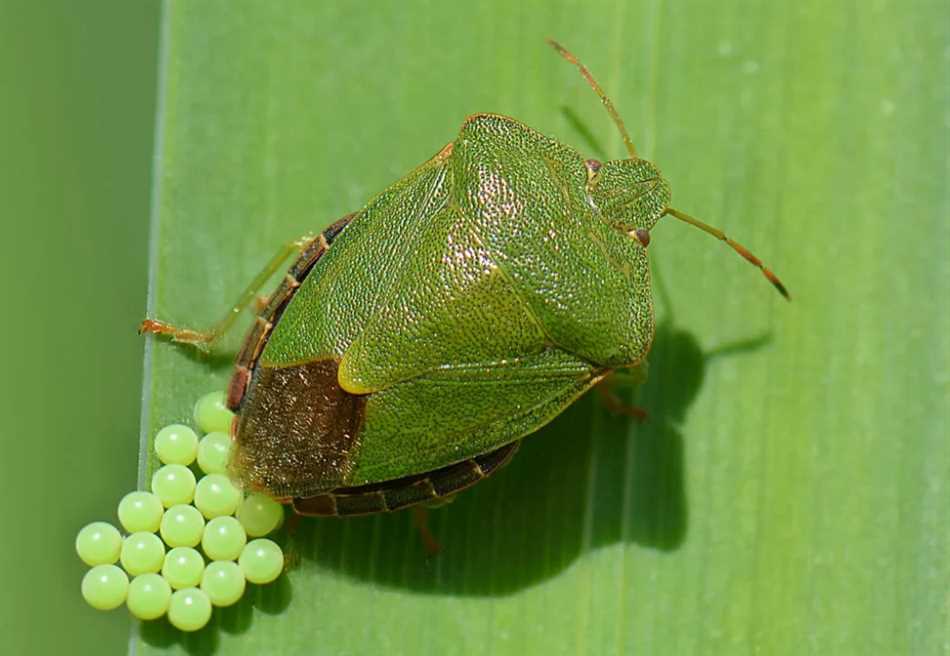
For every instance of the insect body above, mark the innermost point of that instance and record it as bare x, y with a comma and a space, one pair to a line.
414, 343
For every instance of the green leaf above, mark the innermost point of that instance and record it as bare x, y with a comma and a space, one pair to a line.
787, 495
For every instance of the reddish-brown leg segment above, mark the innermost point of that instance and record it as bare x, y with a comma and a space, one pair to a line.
615, 404
420, 517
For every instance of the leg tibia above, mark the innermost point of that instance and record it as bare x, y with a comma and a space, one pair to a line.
205, 339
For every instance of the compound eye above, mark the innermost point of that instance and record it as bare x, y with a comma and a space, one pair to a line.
643, 236
593, 166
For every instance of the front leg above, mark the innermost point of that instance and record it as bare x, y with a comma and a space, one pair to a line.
205, 339
306, 249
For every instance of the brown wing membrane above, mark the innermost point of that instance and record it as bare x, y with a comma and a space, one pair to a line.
298, 429
316, 420
408, 491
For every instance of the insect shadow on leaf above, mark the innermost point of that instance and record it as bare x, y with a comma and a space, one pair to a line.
589, 479
585, 133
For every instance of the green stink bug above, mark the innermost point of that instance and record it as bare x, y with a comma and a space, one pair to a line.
412, 344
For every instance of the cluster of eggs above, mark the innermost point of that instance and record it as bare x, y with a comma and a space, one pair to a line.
162, 570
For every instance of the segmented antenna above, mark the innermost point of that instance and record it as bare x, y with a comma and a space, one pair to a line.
736, 246
569, 56
682, 216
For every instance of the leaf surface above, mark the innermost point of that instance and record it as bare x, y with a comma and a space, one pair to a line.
789, 492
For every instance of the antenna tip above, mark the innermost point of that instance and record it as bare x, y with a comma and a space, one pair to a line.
777, 284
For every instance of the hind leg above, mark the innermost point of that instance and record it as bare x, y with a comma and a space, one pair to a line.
420, 518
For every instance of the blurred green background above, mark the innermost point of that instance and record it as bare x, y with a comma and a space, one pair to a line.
789, 494
77, 115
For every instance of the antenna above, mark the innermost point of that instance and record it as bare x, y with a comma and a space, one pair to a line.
569, 56
736, 246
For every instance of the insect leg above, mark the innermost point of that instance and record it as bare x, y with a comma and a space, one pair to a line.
625, 378
261, 303
420, 517
206, 339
